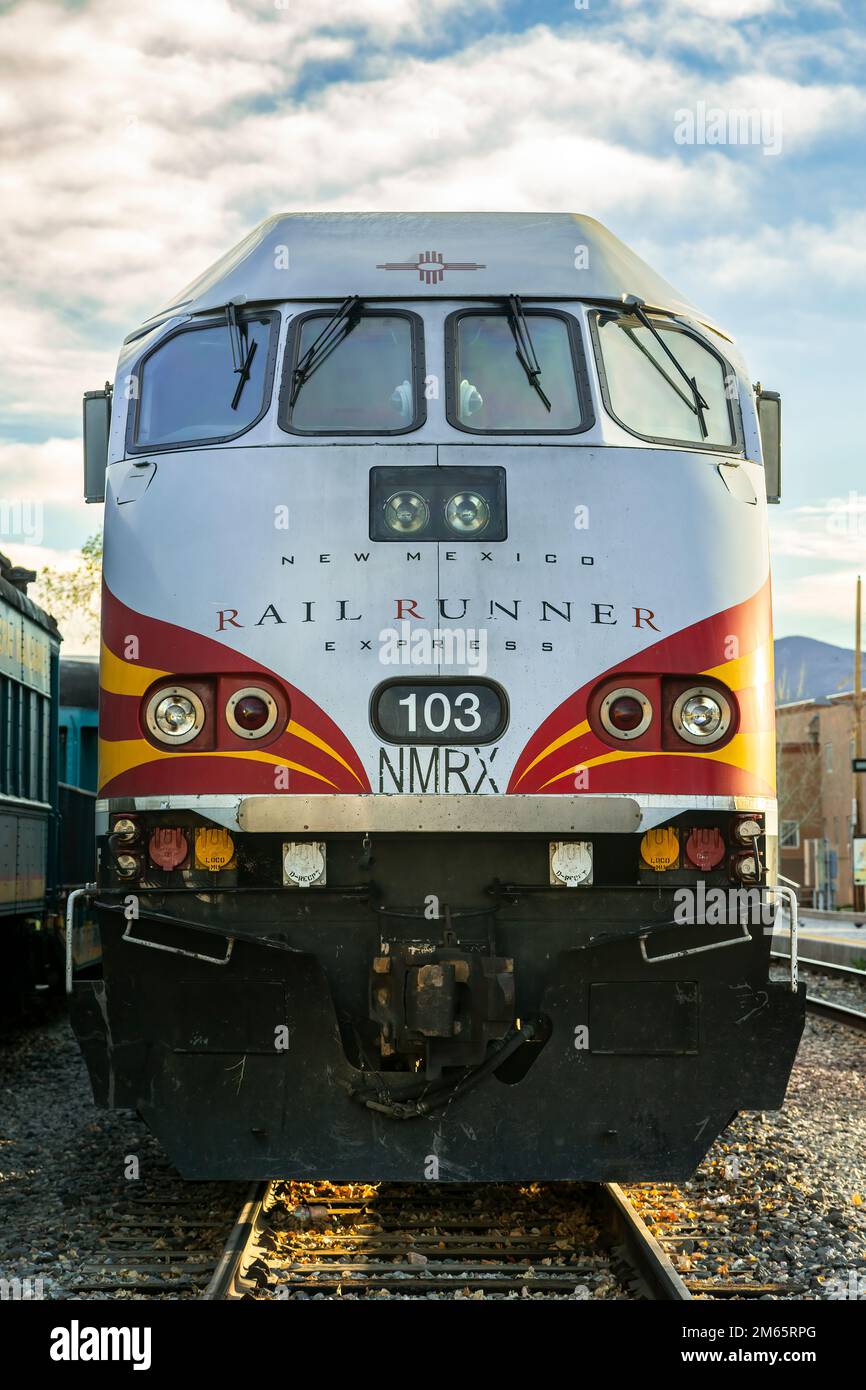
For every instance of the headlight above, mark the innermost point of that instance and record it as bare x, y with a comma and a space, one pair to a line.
466, 511
406, 512
251, 712
626, 713
701, 715
426, 503
175, 714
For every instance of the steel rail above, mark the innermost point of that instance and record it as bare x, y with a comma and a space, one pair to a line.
839, 1013
225, 1281
828, 967
643, 1250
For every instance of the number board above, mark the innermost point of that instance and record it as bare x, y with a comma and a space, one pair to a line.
446, 712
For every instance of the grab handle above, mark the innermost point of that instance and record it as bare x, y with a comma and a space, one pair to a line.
693, 950
177, 950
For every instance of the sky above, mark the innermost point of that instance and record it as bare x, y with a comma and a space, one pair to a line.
140, 142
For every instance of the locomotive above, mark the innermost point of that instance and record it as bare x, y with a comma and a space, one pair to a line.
436, 703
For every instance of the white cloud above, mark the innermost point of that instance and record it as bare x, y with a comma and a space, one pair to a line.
48, 362
731, 10
768, 259
833, 529
820, 603
50, 471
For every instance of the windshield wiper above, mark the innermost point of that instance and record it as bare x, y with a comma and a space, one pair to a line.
637, 307
335, 331
654, 362
241, 361
524, 348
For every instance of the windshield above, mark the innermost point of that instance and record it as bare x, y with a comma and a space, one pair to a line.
646, 393
491, 390
189, 383
366, 382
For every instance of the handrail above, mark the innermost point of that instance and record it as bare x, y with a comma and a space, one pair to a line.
85, 892
788, 894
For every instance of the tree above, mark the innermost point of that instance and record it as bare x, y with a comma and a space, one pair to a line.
72, 595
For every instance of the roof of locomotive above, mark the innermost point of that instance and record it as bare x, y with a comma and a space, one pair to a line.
451, 255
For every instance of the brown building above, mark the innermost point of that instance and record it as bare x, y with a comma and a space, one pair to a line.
817, 788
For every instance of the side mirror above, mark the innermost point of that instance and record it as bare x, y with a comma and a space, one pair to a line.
770, 425
97, 420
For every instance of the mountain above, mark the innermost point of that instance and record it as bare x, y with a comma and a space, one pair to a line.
810, 670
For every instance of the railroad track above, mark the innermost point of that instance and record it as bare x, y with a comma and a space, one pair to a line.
839, 1013
827, 1008
506, 1240
160, 1238
832, 968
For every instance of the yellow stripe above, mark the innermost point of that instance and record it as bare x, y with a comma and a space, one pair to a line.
754, 752
300, 732
123, 754
745, 672
577, 732
119, 677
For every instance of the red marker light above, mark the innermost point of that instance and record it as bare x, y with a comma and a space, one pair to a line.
625, 713
168, 848
251, 712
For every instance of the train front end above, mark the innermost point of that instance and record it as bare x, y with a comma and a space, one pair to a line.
437, 830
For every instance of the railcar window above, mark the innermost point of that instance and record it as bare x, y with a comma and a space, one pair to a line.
490, 390
645, 392
188, 385
364, 384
